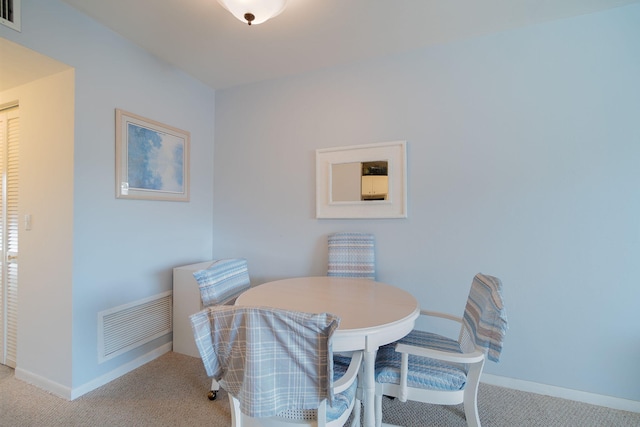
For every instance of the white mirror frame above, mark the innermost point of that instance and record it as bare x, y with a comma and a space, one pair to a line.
395, 153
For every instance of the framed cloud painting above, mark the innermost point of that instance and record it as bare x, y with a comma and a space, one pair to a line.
152, 159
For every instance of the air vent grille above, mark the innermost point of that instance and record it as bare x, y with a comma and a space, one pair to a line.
10, 13
126, 327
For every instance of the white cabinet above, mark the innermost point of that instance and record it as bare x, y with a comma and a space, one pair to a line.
186, 301
375, 187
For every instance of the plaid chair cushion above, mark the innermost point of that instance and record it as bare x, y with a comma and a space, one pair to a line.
224, 279
271, 360
424, 372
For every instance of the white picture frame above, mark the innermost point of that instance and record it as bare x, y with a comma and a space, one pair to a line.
393, 206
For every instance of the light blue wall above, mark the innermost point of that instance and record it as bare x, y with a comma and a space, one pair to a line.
524, 154
124, 250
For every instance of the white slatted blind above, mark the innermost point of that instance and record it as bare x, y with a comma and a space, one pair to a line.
3, 288
9, 225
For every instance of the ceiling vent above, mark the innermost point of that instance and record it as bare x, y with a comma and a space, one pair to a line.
10, 14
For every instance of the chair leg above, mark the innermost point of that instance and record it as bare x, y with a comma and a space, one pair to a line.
378, 409
236, 415
471, 395
471, 413
355, 422
213, 393
471, 405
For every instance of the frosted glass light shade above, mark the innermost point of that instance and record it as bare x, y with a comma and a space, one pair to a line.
262, 10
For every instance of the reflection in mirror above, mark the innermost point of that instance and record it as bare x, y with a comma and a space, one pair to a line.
345, 182
359, 181
375, 181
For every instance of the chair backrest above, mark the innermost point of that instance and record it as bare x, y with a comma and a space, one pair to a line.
352, 255
271, 360
222, 281
485, 318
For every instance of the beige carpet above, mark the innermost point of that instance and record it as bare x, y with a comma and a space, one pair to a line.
171, 391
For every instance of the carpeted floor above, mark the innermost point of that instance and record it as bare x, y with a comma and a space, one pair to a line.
171, 391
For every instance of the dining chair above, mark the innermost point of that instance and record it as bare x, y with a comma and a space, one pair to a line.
276, 365
352, 254
220, 284
432, 368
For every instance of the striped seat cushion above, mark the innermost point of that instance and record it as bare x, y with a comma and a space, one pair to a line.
352, 255
424, 372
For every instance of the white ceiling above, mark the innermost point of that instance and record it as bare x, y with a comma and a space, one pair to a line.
207, 42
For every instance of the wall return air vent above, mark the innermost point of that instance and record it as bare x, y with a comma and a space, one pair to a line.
10, 14
128, 326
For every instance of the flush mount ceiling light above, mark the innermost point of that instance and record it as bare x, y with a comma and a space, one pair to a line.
254, 11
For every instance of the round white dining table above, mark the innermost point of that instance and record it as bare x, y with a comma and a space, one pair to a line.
371, 314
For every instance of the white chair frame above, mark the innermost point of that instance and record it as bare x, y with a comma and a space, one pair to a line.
472, 356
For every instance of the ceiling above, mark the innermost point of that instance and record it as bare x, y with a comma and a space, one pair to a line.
206, 41
25, 65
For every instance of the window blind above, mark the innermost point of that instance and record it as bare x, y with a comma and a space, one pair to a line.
9, 226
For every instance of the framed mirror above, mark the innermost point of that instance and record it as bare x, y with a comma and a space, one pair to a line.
362, 181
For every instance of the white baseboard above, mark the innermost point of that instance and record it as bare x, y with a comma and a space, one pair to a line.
43, 383
563, 393
71, 394
121, 370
